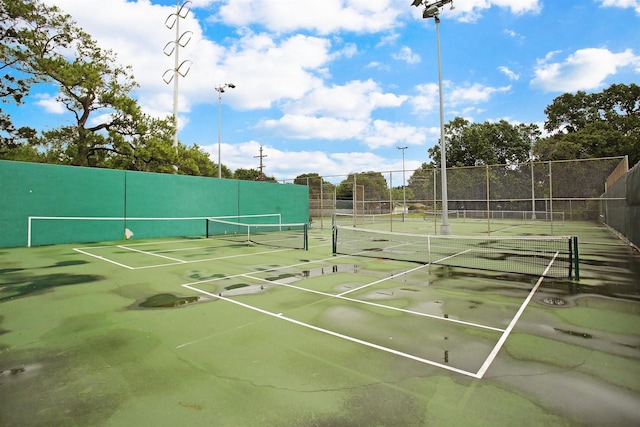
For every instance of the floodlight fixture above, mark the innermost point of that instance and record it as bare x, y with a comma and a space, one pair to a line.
431, 12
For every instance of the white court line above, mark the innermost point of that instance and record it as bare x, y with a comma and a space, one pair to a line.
282, 267
400, 274
103, 258
211, 259
487, 363
339, 296
139, 244
179, 261
336, 334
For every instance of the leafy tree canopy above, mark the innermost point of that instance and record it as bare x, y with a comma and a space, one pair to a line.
316, 183
251, 175
470, 144
109, 128
370, 185
602, 124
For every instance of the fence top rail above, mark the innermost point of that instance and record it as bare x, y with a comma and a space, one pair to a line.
435, 168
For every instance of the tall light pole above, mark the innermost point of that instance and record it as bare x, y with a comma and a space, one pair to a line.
432, 10
533, 186
180, 69
220, 89
404, 187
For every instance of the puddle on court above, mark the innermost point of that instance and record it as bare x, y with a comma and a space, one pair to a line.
553, 293
336, 268
315, 272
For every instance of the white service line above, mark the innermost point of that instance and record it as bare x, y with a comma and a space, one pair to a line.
393, 276
103, 259
179, 261
264, 271
336, 334
402, 273
487, 363
339, 296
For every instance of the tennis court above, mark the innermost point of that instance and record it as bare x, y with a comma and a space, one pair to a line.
212, 331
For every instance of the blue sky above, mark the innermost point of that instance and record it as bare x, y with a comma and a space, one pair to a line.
335, 86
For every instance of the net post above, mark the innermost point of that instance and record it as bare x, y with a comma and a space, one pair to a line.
334, 240
576, 259
306, 237
206, 220
29, 232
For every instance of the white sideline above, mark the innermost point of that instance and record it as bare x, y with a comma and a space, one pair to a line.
335, 334
487, 363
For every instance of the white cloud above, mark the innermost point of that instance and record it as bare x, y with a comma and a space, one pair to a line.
324, 17
507, 72
50, 104
388, 134
310, 127
474, 94
359, 161
471, 10
354, 100
624, 4
519, 7
427, 98
585, 69
388, 40
288, 164
407, 56
286, 70
278, 162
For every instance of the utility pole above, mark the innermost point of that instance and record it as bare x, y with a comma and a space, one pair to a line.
262, 166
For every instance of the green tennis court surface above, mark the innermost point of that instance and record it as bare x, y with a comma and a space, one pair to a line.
212, 332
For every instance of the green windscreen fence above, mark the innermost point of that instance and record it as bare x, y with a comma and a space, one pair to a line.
50, 204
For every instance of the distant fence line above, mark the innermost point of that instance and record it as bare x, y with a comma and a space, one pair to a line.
572, 187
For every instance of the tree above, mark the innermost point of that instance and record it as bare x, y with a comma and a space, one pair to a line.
421, 182
371, 186
399, 194
251, 175
472, 144
19, 20
110, 129
315, 182
593, 125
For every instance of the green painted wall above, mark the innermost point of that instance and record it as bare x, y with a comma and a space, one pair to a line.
104, 203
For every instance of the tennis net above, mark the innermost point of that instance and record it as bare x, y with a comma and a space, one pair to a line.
520, 255
294, 236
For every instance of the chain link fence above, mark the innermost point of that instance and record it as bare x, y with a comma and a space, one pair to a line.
568, 190
620, 204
